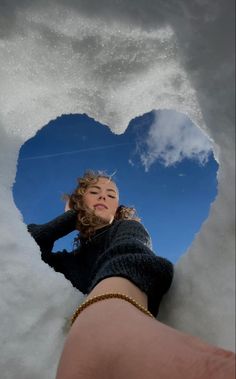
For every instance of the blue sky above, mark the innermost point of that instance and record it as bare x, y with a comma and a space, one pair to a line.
168, 174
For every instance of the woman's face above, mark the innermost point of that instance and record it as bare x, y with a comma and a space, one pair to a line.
103, 198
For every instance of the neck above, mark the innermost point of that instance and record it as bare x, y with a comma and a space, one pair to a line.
103, 225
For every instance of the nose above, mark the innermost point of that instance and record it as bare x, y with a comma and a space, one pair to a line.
102, 196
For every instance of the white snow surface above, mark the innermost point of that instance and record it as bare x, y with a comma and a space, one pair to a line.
113, 61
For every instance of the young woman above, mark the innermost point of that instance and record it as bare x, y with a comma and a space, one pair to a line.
114, 333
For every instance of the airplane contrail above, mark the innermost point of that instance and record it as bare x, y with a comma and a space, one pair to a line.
74, 151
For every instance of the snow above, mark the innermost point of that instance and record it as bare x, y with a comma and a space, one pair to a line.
113, 62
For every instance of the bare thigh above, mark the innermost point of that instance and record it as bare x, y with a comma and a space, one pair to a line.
113, 339
157, 351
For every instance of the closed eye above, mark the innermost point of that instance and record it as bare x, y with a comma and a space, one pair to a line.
95, 193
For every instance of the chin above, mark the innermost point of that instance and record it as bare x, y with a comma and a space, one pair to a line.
108, 220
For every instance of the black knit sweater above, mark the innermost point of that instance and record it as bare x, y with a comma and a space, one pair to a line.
121, 249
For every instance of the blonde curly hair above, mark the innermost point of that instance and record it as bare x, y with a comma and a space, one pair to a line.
87, 221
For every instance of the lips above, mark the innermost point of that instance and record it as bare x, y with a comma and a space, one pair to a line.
100, 205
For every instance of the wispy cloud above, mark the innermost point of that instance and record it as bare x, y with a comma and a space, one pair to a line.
172, 138
73, 151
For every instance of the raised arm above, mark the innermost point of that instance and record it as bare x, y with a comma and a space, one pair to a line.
46, 234
71, 265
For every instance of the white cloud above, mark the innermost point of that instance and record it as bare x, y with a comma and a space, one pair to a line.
172, 138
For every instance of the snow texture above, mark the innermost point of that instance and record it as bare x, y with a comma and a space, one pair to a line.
114, 61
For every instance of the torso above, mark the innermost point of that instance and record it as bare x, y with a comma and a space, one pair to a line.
122, 285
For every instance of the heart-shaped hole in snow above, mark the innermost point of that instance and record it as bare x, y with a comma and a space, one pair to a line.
163, 165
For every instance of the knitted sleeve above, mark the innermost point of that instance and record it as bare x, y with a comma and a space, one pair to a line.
129, 254
46, 234
126, 237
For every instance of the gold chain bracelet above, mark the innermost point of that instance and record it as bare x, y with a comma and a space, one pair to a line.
108, 296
